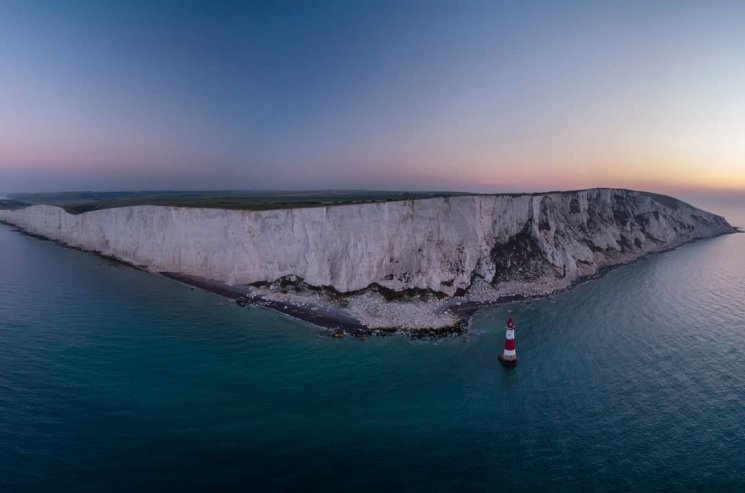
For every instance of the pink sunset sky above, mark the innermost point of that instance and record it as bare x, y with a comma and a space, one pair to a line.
470, 96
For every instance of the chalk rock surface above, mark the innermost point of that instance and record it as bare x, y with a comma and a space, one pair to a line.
471, 248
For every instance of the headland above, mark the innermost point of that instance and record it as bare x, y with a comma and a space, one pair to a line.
420, 266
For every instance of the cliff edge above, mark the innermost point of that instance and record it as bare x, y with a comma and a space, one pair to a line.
394, 264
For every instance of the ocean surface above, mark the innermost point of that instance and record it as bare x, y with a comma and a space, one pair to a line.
113, 379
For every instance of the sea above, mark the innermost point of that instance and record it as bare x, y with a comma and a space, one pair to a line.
113, 379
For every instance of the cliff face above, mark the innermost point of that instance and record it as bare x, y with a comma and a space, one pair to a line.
477, 247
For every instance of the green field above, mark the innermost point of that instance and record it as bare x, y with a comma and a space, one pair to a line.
78, 202
8, 203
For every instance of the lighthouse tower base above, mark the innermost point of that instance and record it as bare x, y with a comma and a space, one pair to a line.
507, 361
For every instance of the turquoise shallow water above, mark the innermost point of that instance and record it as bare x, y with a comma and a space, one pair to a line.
112, 379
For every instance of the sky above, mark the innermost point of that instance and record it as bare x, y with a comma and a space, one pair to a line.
404, 95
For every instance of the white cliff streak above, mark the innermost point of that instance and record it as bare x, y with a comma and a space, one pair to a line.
476, 248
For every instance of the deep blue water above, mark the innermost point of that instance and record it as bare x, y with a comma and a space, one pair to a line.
112, 379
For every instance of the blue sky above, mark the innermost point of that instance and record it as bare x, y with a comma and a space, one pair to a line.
482, 96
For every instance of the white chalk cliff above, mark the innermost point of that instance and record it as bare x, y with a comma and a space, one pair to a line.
475, 248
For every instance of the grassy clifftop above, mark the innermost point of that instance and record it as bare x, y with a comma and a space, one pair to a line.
78, 202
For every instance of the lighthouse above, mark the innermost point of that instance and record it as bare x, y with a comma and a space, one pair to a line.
508, 357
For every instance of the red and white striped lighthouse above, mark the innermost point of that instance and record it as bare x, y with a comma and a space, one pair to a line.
508, 357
